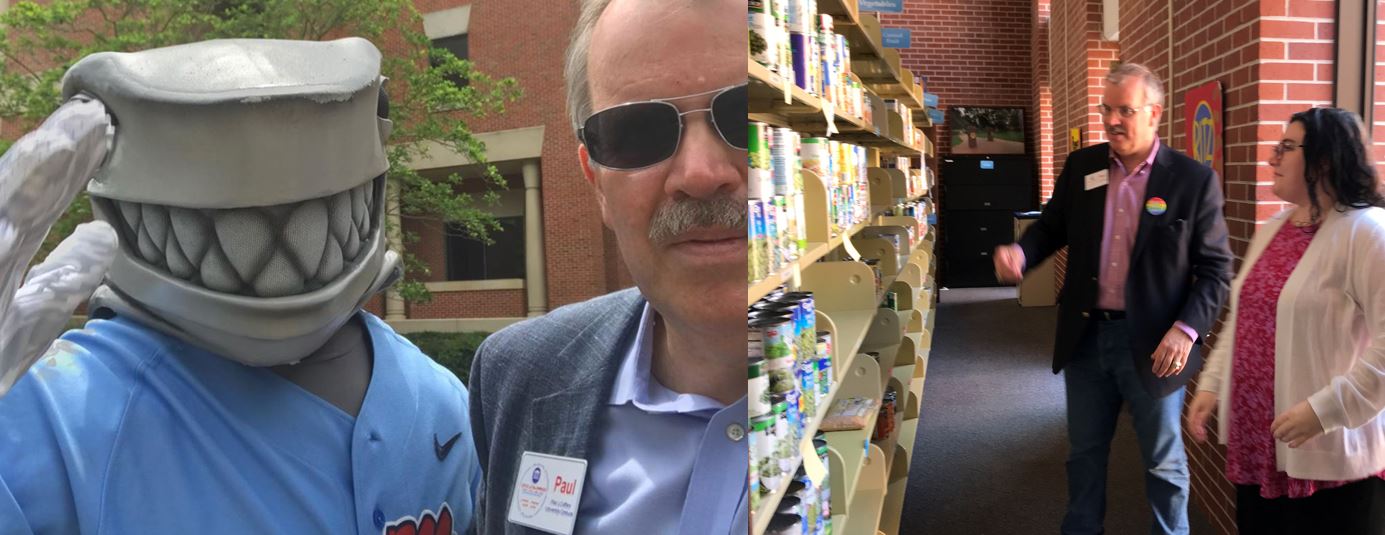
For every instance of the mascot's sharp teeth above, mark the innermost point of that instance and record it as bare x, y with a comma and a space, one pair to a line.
305, 234
279, 277
245, 237
358, 211
332, 263
320, 238
155, 222
217, 273
339, 213
353, 244
131, 212
178, 264
191, 229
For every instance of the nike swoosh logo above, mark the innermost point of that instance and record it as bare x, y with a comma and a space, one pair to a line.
443, 449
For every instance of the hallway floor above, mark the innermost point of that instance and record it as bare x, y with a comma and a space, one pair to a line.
989, 458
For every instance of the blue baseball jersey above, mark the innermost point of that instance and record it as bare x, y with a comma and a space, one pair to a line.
123, 429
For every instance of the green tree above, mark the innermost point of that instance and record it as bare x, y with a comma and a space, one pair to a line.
39, 42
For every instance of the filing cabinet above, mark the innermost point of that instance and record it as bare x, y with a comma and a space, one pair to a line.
980, 196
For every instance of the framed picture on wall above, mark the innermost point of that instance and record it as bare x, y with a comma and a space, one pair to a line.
981, 130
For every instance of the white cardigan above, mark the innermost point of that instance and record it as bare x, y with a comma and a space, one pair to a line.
1329, 346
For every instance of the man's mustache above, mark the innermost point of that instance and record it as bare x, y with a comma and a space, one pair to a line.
675, 218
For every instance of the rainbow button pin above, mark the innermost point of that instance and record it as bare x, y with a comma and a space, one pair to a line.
1156, 206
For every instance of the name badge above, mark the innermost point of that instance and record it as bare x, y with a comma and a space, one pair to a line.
547, 492
1098, 179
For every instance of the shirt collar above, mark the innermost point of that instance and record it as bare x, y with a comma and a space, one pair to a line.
635, 384
1149, 161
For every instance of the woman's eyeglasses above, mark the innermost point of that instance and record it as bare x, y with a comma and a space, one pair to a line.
1287, 145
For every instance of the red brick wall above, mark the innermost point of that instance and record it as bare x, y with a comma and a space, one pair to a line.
974, 53
1080, 61
580, 262
1041, 118
1378, 129
376, 305
471, 304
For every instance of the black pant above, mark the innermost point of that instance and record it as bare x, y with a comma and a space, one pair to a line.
1353, 509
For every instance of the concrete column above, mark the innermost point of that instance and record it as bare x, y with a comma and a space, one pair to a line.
535, 282
394, 235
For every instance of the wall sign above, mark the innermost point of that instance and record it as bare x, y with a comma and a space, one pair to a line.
896, 37
882, 6
1203, 125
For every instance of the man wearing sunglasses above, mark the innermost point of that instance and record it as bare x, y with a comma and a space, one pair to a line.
635, 401
1148, 269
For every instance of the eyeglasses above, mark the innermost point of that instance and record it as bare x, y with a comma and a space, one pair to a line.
1287, 145
1125, 111
636, 135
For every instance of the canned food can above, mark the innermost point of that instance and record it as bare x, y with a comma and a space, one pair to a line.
825, 493
759, 146
808, 386
785, 446
763, 456
760, 23
779, 358
793, 211
798, 48
757, 392
758, 261
824, 377
807, 494
752, 473
754, 338
785, 524
813, 155
783, 159
772, 252
874, 264
809, 323
795, 417
781, 240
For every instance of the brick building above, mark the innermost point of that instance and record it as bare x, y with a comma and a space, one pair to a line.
1272, 58
553, 249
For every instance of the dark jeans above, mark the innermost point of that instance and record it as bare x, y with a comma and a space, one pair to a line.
1354, 509
1100, 380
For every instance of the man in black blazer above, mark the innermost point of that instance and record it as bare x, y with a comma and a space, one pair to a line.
1148, 269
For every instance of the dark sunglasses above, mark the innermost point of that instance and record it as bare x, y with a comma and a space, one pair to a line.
635, 135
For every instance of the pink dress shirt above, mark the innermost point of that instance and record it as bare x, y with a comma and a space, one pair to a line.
1125, 198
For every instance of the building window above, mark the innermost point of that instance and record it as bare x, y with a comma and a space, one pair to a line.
469, 259
457, 45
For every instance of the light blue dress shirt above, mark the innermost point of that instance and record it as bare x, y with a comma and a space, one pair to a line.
665, 462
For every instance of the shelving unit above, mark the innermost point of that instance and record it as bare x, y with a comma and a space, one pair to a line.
867, 478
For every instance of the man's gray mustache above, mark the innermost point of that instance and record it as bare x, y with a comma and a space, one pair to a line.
675, 218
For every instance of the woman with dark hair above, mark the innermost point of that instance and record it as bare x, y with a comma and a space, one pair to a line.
1298, 372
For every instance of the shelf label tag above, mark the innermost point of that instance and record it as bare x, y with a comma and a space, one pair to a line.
788, 89
850, 249
812, 464
797, 277
830, 114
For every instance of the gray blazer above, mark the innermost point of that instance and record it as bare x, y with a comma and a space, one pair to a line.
538, 386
